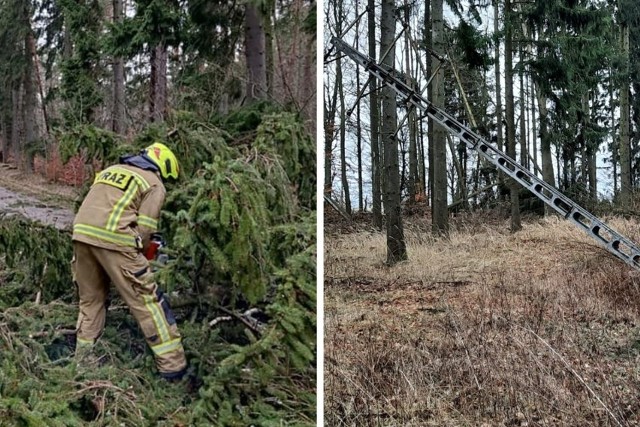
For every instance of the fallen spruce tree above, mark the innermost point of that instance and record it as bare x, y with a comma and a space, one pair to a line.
241, 233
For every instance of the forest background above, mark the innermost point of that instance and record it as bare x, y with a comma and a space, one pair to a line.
551, 83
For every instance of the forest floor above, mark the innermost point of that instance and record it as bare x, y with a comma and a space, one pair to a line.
487, 328
33, 197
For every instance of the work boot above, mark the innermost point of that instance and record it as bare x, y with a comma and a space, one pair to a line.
174, 377
186, 378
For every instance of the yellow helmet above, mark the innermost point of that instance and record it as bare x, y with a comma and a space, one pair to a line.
164, 158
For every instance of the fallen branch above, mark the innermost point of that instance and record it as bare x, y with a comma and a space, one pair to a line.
239, 317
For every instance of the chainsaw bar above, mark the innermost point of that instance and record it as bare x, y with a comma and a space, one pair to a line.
611, 240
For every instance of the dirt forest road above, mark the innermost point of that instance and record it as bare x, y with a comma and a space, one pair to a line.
34, 198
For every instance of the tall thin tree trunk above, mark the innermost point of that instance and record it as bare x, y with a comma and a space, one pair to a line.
330, 107
29, 111
589, 151
158, 87
461, 191
28, 81
545, 144
534, 127
396, 247
309, 91
343, 148
118, 123
625, 156
496, 30
428, 35
498, 78
16, 122
524, 150
255, 53
5, 126
412, 182
31, 42
440, 212
422, 167
511, 129
374, 118
268, 42
359, 125
614, 146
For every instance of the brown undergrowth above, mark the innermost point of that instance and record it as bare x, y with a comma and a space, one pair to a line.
488, 328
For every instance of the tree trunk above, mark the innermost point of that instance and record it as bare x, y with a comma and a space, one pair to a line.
29, 111
118, 124
412, 182
268, 43
534, 127
511, 129
590, 175
545, 144
614, 146
624, 150
255, 54
343, 149
330, 106
30, 98
461, 190
358, 125
440, 213
396, 247
16, 122
428, 35
5, 126
524, 150
422, 168
496, 30
158, 95
31, 49
374, 118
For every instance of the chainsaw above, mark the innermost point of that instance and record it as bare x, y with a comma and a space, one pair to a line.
156, 242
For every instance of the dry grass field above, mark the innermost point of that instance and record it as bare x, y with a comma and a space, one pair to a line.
488, 328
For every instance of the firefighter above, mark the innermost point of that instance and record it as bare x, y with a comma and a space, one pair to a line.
111, 231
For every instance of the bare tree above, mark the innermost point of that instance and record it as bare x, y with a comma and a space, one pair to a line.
359, 125
374, 117
439, 210
624, 150
496, 30
342, 127
413, 179
509, 103
396, 247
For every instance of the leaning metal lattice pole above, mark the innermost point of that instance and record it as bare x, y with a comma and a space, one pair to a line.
611, 240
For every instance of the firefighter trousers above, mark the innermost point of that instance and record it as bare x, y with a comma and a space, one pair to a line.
94, 269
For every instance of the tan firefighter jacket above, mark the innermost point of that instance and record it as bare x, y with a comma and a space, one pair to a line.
121, 209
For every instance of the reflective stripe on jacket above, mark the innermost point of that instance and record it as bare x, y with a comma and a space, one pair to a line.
121, 209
